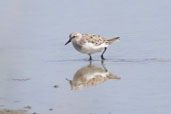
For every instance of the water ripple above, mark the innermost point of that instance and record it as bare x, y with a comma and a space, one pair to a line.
143, 60
130, 60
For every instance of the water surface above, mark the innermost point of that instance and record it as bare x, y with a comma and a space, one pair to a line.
36, 69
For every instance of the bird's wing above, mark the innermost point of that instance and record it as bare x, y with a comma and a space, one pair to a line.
94, 39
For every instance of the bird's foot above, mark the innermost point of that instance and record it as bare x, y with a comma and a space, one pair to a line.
103, 58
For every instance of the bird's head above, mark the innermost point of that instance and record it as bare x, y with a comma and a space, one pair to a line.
74, 35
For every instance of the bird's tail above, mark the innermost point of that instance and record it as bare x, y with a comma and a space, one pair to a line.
112, 76
116, 39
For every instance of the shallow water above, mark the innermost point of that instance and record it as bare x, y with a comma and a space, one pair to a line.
39, 72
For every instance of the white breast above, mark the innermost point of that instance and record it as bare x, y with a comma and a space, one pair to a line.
88, 48
92, 75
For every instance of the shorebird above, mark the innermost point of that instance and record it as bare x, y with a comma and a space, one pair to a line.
90, 44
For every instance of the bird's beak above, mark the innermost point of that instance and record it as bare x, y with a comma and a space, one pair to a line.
68, 41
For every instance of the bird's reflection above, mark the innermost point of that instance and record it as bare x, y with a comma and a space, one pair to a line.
91, 75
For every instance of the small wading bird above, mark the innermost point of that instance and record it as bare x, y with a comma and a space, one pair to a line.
90, 44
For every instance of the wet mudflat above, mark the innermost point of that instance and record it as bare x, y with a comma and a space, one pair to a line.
38, 74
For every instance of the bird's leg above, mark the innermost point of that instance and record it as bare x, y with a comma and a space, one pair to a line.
103, 53
90, 64
102, 63
90, 57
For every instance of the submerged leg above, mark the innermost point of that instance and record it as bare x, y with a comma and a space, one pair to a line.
90, 57
103, 53
102, 63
